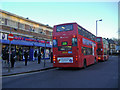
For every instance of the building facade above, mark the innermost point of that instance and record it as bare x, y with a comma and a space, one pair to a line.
28, 35
112, 46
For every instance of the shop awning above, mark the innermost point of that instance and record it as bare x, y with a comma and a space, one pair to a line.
16, 42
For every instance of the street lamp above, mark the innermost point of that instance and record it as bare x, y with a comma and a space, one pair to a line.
96, 25
45, 52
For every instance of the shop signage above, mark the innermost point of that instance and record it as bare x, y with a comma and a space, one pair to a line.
3, 36
30, 39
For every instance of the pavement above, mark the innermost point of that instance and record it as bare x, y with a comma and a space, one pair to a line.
20, 68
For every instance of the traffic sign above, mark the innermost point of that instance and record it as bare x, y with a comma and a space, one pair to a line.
10, 37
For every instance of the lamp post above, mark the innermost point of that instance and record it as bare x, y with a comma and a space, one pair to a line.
9, 52
96, 25
45, 53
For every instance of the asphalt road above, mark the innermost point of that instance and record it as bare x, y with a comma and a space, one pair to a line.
100, 75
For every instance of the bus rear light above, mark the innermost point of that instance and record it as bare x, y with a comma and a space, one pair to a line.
74, 36
54, 37
53, 59
76, 58
99, 58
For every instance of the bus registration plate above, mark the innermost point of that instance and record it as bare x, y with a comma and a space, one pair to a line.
65, 59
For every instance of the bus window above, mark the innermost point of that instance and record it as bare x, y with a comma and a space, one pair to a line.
98, 39
54, 43
87, 51
64, 28
74, 41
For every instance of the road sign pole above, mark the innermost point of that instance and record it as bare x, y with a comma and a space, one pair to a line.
9, 53
9, 56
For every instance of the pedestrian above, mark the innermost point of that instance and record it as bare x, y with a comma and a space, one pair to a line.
39, 57
20, 54
7, 55
4, 53
51, 57
12, 58
26, 56
35, 54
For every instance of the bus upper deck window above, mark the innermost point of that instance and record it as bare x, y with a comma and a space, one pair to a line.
98, 39
74, 41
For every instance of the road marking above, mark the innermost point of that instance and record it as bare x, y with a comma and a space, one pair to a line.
26, 73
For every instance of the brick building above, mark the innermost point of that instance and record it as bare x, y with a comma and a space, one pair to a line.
28, 35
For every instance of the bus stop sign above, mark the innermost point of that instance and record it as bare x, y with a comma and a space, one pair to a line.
10, 37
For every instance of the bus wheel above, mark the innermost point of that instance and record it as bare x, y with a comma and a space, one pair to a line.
84, 64
95, 61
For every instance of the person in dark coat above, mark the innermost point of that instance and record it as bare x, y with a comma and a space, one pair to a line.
26, 56
51, 57
35, 54
7, 55
39, 57
12, 58
20, 54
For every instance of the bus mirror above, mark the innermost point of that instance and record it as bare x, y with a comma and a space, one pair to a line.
54, 43
74, 41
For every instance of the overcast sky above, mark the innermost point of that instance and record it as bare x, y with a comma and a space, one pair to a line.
83, 13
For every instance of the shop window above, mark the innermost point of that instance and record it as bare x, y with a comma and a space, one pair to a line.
36, 29
50, 33
5, 21
40, 30
11, 23
32, 29
44, 32
21, 26
2, 21
27, 27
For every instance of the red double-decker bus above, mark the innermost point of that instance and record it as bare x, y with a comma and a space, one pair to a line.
103, 49
73, 46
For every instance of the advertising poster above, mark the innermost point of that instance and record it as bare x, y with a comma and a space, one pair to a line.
47, 53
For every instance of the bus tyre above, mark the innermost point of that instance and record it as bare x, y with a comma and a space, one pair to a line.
95, 61
84, 64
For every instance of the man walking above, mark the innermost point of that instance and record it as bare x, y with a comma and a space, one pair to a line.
12, 58
39, 57
35, 54
26, 56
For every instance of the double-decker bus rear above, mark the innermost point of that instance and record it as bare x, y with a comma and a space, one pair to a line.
73, 46
65, 45
103, 49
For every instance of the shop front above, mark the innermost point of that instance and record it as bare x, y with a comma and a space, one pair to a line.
21, 44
